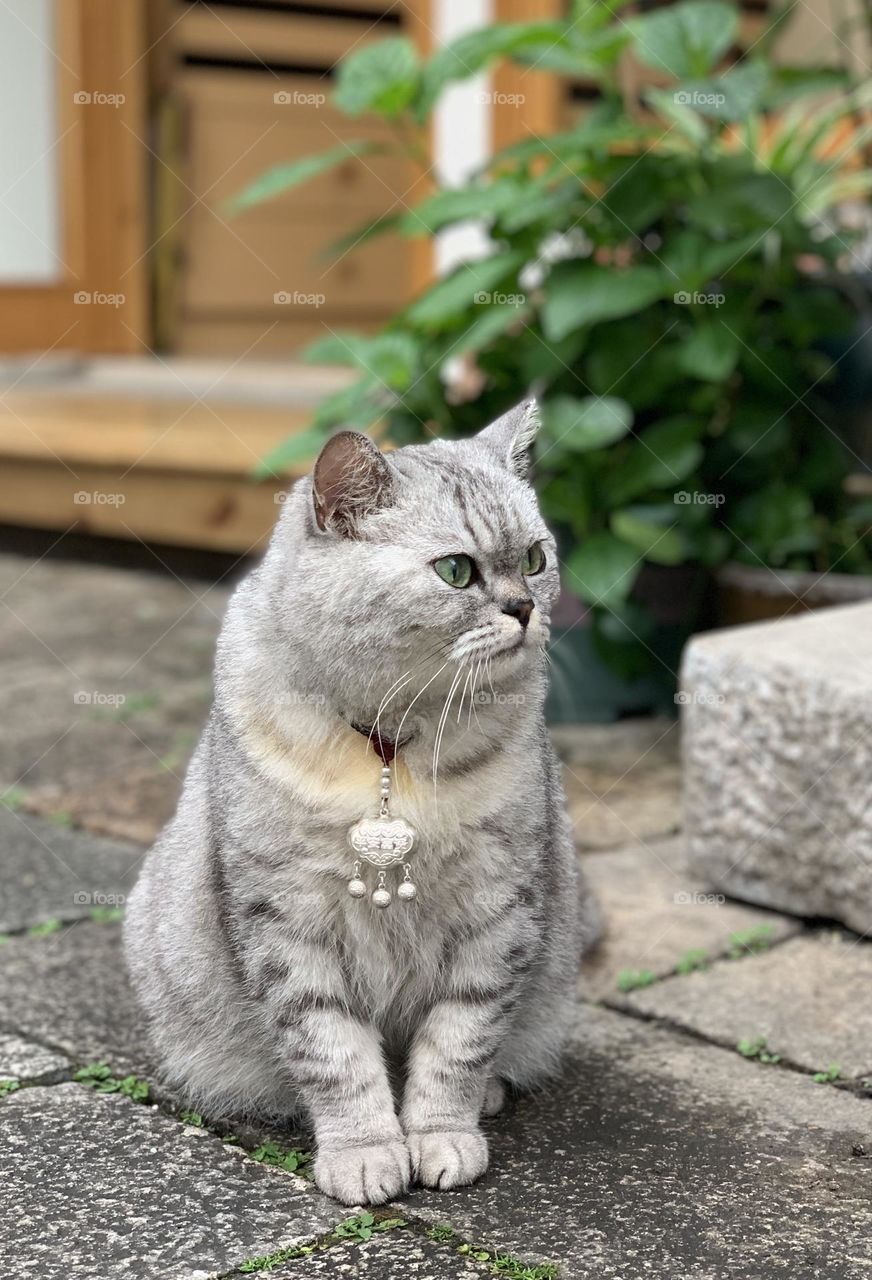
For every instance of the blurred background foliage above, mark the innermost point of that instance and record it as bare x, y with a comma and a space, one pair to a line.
675, 278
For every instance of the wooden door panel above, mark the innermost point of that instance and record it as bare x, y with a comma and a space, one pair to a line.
98, 48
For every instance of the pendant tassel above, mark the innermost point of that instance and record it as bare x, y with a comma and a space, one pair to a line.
382, 842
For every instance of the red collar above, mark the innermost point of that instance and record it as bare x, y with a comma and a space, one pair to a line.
385, 748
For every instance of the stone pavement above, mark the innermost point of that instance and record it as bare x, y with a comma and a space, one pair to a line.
714, 1118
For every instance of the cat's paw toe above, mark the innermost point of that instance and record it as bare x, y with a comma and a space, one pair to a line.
363, 1175
447, 1159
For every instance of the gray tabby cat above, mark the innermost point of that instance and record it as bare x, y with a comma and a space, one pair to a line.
393, 587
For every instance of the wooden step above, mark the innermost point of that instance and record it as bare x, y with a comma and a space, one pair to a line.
159, 469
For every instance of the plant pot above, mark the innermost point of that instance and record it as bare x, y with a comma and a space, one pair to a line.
751, 593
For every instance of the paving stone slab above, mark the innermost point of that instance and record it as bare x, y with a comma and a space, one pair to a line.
22, 1059
51, 872
59, 609
658, 1157
70, 990
396, 1255
108, 682
809, 998
777, 762
656, 911
622, 781
99, 1186
115, 770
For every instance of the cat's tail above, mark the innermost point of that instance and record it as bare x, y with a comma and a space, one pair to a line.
591, 924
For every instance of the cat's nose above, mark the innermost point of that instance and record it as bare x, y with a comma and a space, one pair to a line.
521, 607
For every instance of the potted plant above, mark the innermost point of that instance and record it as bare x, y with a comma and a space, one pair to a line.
666, 277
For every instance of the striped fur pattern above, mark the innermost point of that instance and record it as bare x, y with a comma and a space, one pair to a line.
269, 990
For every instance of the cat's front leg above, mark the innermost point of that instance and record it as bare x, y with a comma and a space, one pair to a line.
334, 1060
361, 1157
450, 1066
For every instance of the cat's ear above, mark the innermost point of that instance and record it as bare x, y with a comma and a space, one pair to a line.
511, 436
351, 480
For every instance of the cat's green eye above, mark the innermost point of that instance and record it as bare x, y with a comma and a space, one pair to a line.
457, 571
533, 560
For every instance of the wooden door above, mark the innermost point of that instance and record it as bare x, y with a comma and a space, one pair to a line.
91, 294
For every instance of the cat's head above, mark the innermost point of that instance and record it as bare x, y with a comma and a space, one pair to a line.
429, 556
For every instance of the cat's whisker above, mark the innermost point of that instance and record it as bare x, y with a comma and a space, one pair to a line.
490, 679
440, 729
416, 697
395, 688
442, 722
402, 682
463, 694
472, 706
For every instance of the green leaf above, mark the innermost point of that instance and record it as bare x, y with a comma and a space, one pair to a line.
390, 358
595, 132
683, 116
361, 235
549, 205
93, 1071
789, 83
630, 979
44, 929
638, 194
661, 545
284, 177
583, 55
584, 424
446, 207
469, 53
356, 407
452, 296
339, 347
694, 261
585, 293
710, 353
393, 359
776, 522
493, 322
130, 1087
382, 77
686, 39
296, 449
660, 458
738, 202
603, 569
733, 96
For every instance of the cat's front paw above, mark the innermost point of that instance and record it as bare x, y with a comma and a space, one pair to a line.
447, 1158
363, 1175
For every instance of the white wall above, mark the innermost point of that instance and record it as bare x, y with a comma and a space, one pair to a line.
461, 128
29, 180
